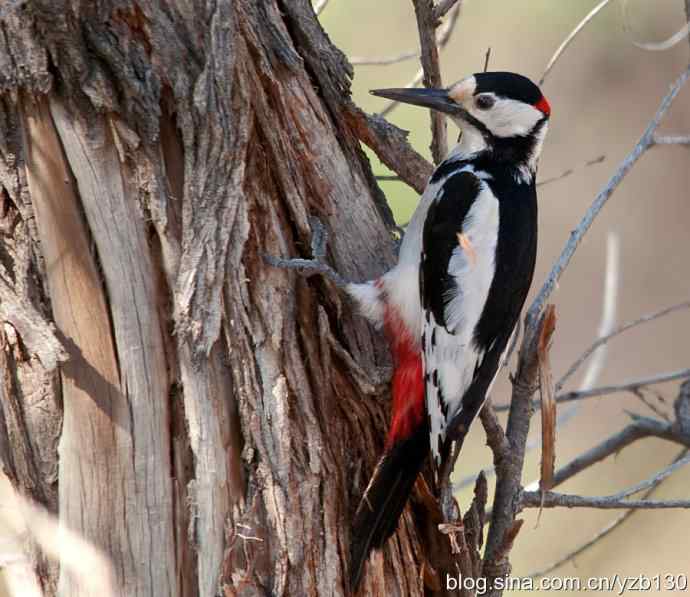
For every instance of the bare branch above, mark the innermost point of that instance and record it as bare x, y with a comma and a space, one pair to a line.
391, 146
567, 41
608, 316
629, 386
660, 46
552, 499
487, 57
495, 436
646, 140
445, 33
509, 468
384, 60
441, 39
569, 171
607, 530
650, 405
561, 500
601, 341
426, 24
640, 428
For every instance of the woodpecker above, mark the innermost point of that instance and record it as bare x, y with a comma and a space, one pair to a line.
450, 305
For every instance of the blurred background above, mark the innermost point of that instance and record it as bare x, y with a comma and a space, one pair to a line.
603, 92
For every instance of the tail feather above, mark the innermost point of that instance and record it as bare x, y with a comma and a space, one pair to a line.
385, 497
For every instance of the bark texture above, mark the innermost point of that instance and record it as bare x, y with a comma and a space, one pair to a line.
217, 419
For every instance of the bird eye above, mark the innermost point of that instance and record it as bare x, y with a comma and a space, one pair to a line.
485, 102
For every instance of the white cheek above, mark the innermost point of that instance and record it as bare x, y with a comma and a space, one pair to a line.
509, 118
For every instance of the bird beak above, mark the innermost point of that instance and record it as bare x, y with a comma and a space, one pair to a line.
436, 99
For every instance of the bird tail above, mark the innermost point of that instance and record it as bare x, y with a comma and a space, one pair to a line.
385, 497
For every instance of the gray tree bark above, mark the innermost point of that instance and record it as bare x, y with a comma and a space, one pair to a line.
208, 421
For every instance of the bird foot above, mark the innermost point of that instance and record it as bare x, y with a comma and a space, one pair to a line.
315, 265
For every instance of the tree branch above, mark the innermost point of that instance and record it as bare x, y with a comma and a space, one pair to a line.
629, 386
509, 469
607, 530
426, 24
569, 171
568, 40
390, 144
444, 36
439, 12
640, 428
617, 331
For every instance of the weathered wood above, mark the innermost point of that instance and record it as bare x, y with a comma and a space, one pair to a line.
221, 416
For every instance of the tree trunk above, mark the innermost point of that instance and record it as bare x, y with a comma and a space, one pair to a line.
217, 419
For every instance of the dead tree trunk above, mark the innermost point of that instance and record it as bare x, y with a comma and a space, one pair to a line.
213, 420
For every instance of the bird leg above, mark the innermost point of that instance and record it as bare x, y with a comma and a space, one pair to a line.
315, 265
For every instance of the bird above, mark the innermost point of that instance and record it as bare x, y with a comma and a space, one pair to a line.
450, 305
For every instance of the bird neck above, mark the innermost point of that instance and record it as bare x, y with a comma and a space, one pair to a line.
520, 153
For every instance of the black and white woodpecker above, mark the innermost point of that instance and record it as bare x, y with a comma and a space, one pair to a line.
451, 304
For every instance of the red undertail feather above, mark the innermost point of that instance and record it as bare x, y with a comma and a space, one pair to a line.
407, 446
407, 387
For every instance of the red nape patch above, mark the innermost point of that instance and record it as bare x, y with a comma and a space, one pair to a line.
407, 385
543, 106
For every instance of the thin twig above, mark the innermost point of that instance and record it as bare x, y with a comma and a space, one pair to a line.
410, 54
567, 41
639, 394
660, 46
426, 25
646, 140
640, 428
608, 320
384, 60
569, 171
508, 482
601, 534
445, 33
562, 500
602, 340
628, 386
551, 499
487, 57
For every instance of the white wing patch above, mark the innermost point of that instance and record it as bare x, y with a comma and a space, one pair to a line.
450, 354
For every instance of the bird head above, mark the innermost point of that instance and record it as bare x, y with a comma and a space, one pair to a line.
502, 112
